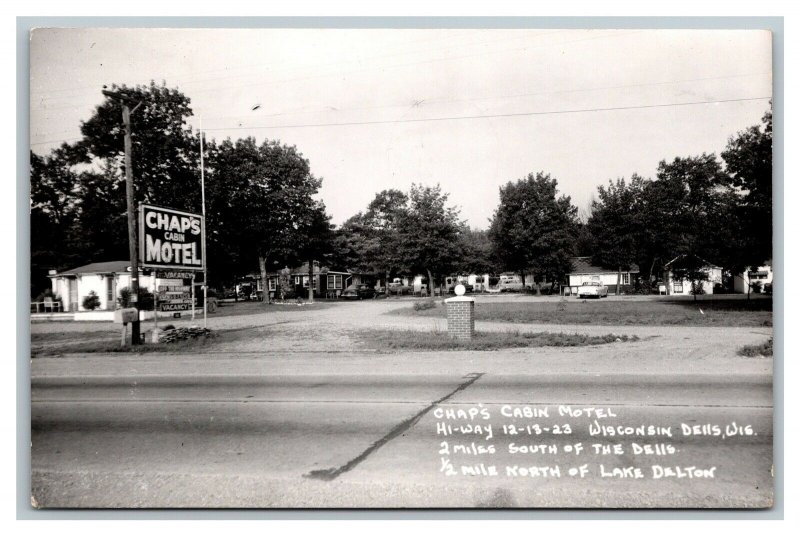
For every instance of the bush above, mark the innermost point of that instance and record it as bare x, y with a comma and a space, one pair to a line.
697, 288
424, 305
756, 287
91, 302
145, 298
757, 350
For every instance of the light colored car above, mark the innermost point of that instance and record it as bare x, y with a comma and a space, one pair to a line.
593, 289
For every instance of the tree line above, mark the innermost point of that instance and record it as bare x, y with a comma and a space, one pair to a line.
263, 211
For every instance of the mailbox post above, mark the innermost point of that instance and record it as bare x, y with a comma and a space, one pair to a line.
124, 317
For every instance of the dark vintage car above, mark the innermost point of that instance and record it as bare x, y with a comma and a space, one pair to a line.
358, 292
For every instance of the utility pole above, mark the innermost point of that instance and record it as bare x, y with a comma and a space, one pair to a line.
203, 201
125, 100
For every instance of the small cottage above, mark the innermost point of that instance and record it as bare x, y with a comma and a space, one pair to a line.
103, 278
675, 285
750, 279
325, 282
583, 271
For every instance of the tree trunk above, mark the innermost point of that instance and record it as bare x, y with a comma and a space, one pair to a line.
311, 280
522, 276
262, 264
619, 279
430, 283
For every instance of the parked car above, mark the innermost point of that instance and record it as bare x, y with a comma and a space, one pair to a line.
397, 287
358, 292
592, 289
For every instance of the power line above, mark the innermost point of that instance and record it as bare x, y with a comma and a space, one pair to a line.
456, 118
54, 141
499, 97
490, 116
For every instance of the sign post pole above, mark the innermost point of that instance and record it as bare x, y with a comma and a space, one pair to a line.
126, 101
193, 297
203, 199
155, 306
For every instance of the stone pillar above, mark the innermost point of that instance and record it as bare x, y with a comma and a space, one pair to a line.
460, 316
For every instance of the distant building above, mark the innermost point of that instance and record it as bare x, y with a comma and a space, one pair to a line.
583, 271
681, 286
104, 278
748, 278
325, 282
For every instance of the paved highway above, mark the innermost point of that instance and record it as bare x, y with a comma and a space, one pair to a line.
311, 429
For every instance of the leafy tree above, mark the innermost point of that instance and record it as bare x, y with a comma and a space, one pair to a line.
748, 161
477, 256
165, 152
354, 244
383, 232
264, 202
533, 229
315, 240
52, 214
681, 209
430, 233
615, 225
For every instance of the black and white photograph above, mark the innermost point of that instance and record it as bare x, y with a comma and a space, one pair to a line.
401, 268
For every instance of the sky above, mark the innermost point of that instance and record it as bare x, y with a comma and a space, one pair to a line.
467, 109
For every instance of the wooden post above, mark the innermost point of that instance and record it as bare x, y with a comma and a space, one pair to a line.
132, 249
125, 100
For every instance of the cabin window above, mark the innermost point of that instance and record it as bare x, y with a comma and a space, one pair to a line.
757, 275
335, 282
678, 287
297, 280
626, 279
273, 283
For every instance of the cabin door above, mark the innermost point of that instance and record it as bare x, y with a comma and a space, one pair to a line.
73, 294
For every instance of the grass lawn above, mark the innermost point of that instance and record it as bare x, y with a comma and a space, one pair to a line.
67, 336
387, 339
708, 312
